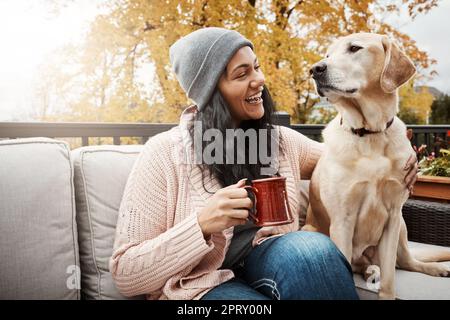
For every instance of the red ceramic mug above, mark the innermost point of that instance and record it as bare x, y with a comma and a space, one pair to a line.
270, 202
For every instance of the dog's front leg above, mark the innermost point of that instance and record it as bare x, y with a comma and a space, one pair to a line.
341, 233
345, 211
387, 251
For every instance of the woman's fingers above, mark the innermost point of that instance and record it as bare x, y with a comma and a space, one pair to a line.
411, 188
411, 177
267, 231
241, 203
238, 184
238, 214
236, 193
261, 233
237, 221
411, 181
412, 160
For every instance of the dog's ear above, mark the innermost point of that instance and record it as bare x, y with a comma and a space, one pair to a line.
398, 68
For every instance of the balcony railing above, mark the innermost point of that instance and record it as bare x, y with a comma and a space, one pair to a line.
434, 136
13, 130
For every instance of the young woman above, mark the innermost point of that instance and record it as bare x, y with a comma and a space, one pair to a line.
183, 230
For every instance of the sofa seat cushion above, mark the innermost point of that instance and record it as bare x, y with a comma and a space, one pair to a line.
411, 285
101, 173
38, 234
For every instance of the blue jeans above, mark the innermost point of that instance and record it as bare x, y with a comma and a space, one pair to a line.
298, 265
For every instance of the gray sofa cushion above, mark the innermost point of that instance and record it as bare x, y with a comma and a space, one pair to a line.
101, 173
411, 285
38, 235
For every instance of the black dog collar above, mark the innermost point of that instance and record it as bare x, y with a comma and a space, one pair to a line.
363, 131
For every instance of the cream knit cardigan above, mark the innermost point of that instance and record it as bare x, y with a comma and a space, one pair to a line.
159, 249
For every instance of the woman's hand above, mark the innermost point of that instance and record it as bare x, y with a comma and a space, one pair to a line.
226, 208
411, 176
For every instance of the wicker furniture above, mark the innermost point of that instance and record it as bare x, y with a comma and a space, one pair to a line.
427, 222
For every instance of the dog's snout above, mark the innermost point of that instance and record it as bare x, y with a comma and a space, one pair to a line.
319, 69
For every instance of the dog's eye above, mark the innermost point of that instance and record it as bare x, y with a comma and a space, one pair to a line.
354, 49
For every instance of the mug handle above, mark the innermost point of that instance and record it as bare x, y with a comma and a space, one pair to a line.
252, 212
286, 204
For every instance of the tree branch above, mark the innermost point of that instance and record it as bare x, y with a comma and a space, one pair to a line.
288, 13
149, 27
292, 9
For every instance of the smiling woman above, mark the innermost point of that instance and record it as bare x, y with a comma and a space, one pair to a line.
241, 86
30, 31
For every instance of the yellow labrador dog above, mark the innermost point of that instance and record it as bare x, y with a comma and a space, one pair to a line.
357, 189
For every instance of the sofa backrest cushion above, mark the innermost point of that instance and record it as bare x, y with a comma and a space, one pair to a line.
38, 234
101, 173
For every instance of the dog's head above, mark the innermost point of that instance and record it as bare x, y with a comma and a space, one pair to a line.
360, 62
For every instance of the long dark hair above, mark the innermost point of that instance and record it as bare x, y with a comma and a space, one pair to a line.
216, 115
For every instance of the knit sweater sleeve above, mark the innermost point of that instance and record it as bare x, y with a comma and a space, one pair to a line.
149, 248
305, 151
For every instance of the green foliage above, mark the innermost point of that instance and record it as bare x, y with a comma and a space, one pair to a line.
410, 116
440, 110
414, 106
432, 166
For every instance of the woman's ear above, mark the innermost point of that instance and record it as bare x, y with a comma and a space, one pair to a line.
398, 68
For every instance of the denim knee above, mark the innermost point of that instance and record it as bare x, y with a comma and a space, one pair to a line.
312, 246
300, 265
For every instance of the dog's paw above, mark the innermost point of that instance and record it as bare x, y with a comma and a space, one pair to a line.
437, 269
386, 295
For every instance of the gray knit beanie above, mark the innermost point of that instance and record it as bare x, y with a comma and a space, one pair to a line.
200, 58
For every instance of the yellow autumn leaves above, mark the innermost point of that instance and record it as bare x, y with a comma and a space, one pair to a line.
129, 44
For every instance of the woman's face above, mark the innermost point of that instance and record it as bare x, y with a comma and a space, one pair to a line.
241, 86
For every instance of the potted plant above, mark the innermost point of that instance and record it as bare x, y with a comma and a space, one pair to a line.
433, 181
